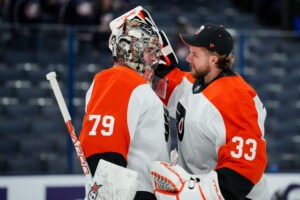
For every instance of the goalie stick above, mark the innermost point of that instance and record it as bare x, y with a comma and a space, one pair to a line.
67, 118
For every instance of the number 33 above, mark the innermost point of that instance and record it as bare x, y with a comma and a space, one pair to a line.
240, 145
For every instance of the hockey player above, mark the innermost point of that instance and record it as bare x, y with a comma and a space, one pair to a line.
220, 121
125, 122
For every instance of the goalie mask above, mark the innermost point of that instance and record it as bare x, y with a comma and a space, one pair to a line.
136, 41
137, 45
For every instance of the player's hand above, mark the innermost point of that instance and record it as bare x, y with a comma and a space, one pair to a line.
172, 182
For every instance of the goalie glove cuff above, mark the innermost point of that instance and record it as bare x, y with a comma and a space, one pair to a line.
210, 186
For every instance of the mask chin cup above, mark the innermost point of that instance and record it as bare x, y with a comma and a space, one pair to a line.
159, 85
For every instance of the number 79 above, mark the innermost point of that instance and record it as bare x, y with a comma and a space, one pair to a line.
107, 122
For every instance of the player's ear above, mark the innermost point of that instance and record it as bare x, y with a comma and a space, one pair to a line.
213, 59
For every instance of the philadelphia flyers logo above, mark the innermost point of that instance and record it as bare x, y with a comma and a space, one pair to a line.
180, 116
166, 123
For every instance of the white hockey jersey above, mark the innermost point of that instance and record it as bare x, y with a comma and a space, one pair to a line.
220, 126
124, 116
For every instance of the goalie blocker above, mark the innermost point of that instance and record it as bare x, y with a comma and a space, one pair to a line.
112, 182
172, 182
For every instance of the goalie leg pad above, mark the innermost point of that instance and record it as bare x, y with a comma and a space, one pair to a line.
112, 182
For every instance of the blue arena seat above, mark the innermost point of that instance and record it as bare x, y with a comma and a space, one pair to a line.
54, 57
6, 92
163, 19
47, 126
291, 80
23, 164
79, 110
9, 126
55, 164
37, 76
9, 144
289, 97
35, 143
219, 19
59, 142
50, 111
16, 56
11, 74
21, 110
24, 94
284, 127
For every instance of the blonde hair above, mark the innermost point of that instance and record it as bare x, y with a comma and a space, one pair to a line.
224, 62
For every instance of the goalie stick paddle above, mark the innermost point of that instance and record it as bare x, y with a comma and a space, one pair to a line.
67, 118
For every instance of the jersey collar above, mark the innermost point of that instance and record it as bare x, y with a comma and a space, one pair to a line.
200, 85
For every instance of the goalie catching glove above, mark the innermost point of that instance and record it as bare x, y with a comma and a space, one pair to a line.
172, 182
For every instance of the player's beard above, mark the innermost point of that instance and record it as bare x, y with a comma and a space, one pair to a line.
196, 73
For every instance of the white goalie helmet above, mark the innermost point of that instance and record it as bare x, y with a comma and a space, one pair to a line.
136, 44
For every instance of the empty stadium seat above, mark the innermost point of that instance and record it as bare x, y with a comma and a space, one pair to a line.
163, 18
35, 144
291, 80
6, 92
9, 144
11, 74
47, 126
50, 111
21, 110
17, 126
54, 163
284, 127
35, 92
23, 165
16, 56
37, 75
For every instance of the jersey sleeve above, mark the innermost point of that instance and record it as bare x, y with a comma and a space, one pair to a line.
174, 77
148, 120
241, 148
245, 147
149, 132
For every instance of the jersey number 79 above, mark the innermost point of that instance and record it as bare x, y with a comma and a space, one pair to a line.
107, 124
